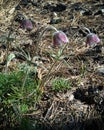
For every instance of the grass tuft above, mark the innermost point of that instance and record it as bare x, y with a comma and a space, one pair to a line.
60, 84
16, 100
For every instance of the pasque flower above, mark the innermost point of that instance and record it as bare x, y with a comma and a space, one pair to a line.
26, 24
59, 38
92, 39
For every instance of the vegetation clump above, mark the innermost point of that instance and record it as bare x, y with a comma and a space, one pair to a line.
16, 100
60, 84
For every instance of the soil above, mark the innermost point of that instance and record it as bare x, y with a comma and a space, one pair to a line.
81, 107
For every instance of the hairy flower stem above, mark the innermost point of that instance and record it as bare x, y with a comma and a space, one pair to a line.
87, 29
41, 35
8, 44
43, 83
7, 50
26, 76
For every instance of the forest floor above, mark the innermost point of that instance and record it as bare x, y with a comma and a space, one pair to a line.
82, 106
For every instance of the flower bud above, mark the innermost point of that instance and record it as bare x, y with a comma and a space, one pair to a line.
92, 39
26, 24
59, 38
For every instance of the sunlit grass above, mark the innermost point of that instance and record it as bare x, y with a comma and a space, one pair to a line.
60, 84
15, 99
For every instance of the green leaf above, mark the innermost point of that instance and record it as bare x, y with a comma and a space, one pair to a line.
53, 55
62, 57
10, 57
0, 92
23, 108
60, 52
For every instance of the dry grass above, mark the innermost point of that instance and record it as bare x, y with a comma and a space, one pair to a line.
79, 65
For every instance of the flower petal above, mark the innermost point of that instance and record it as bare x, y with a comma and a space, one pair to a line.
92, 39
59, 38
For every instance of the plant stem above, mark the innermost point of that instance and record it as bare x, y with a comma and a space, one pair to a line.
87, 29
7, 50
45, 79
24, 82
40, 37
8, 44
47, 76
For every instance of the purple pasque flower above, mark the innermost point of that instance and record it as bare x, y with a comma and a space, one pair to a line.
26, 24
59, 38
92, 39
